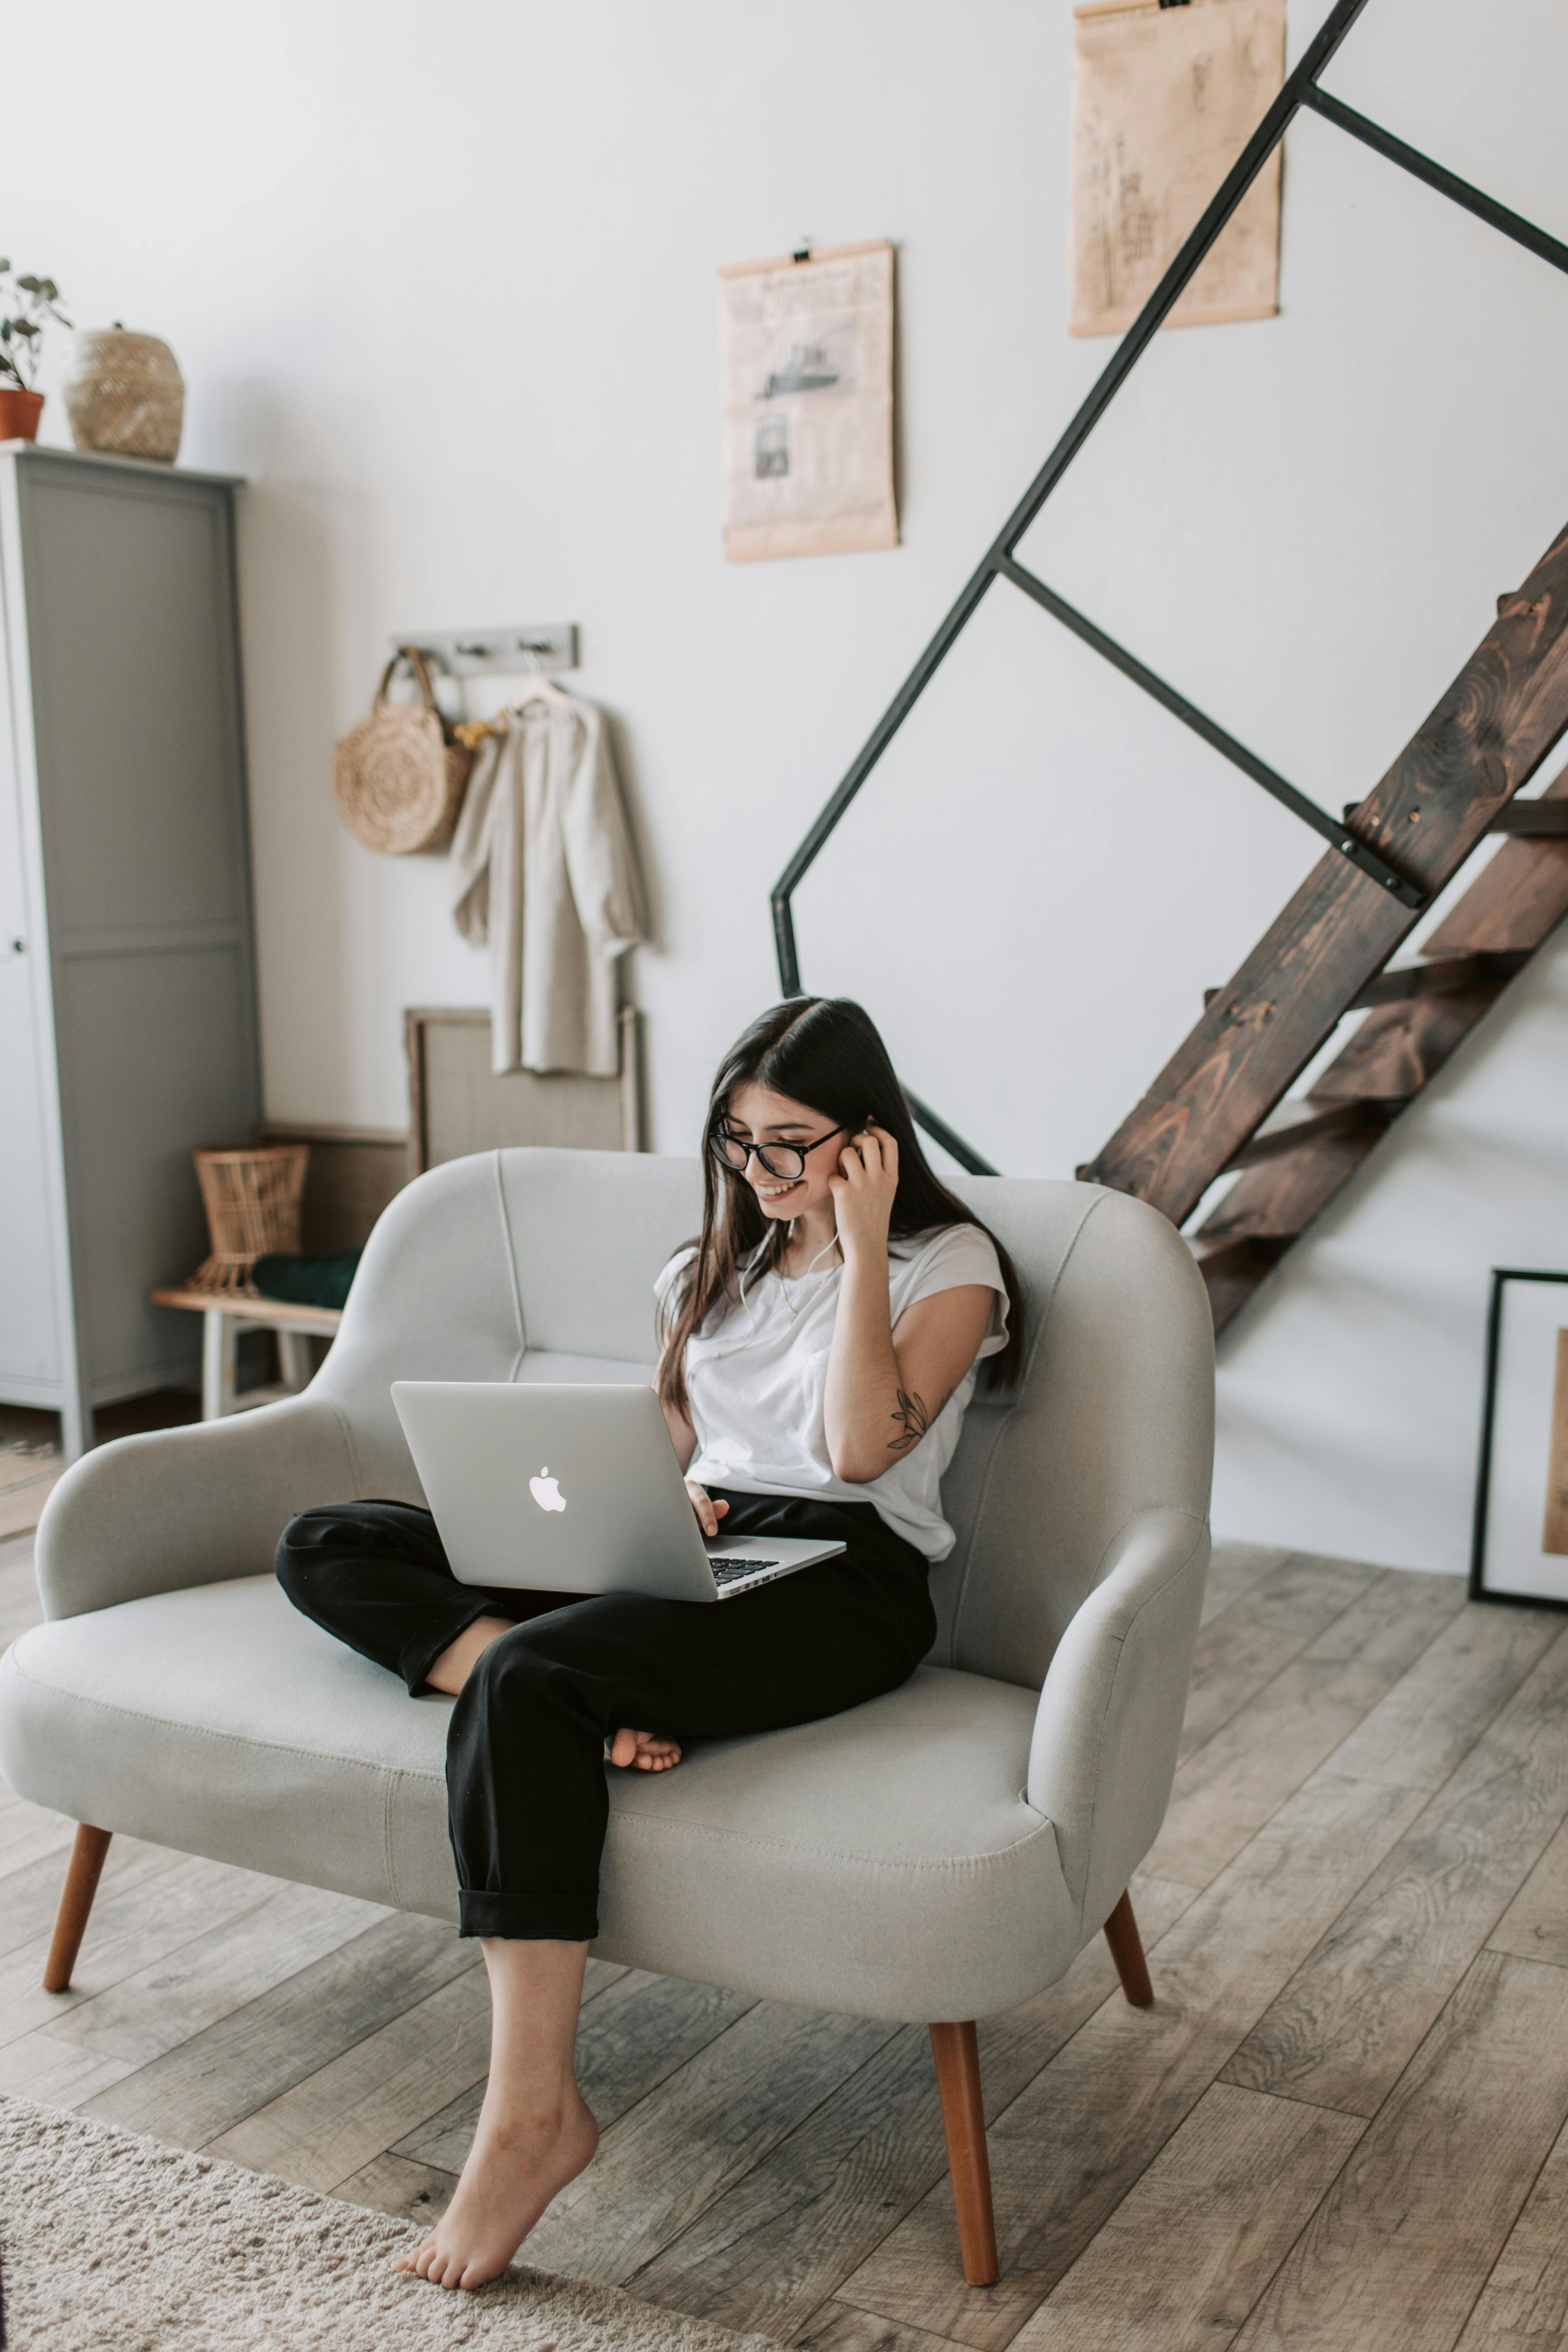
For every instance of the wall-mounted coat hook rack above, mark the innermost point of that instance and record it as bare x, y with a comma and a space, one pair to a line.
509, 651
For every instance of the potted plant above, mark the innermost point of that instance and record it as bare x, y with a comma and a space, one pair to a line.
25, 304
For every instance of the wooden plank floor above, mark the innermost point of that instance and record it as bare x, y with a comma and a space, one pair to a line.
1343, 2124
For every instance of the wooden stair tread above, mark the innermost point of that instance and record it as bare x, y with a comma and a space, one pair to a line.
1295, 1125
1515, 902
1540, 819
1280, 1201
1399, 1047
1398, 982
1442, 975
1239, 1250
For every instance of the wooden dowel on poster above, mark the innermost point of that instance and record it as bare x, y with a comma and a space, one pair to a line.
1554, 1534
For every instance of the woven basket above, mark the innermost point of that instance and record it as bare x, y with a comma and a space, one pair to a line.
398, 774
124, 394
252, 1198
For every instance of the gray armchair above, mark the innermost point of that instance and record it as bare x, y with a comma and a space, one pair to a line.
939, 1854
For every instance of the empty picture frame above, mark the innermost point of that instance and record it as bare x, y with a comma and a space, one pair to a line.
457, 1104
1520, 1551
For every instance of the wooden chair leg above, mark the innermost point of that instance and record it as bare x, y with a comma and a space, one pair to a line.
76, 1901
957, 2055
1127, 1951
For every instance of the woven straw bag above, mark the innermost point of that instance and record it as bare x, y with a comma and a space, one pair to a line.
398, 774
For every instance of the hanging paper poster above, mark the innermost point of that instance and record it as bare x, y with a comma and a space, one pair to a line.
1165, 100
807, 355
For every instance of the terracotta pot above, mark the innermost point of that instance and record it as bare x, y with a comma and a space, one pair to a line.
19, 413
124, 394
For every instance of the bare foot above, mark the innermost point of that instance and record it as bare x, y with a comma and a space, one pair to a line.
516, 2167
645, 1749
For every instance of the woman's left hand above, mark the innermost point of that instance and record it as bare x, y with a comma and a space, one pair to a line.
863, 1190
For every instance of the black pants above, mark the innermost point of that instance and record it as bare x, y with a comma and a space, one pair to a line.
527, 1802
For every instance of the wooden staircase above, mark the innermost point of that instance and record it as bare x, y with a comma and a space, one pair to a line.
1208, 1112
1214, 1109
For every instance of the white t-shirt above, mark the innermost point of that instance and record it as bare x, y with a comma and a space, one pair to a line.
756, 1375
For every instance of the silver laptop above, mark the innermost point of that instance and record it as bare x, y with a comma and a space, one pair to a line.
574, 1490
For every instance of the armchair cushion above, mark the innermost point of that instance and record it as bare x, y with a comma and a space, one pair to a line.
789, 1866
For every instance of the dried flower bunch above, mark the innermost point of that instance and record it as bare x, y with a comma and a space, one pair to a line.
25, 304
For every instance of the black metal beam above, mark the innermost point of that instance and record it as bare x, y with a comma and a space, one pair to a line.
1331, 828
1448, 183
948, 1137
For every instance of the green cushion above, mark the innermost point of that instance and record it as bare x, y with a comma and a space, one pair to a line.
306, 1278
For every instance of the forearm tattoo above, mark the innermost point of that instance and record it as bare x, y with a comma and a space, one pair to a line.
913, 1420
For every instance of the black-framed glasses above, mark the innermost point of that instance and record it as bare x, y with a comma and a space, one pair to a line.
785, 1160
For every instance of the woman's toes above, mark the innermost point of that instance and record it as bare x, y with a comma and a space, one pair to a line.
645, 1749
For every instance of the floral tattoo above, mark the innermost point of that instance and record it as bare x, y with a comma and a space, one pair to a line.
913, 1420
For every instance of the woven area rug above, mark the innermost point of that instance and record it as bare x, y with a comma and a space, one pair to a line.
117, 2244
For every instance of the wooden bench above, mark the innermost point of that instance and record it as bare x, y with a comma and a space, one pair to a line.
228, 1313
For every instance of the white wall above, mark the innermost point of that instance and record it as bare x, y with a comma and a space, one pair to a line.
443, 289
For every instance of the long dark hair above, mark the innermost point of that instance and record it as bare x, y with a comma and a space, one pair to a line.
824, 1052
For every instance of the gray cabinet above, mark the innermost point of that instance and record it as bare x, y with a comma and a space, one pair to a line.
128, 1023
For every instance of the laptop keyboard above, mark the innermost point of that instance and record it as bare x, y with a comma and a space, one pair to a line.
727, 1570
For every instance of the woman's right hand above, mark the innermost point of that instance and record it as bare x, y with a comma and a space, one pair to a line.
708, 1512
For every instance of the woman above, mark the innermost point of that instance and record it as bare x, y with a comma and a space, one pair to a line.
820, 1342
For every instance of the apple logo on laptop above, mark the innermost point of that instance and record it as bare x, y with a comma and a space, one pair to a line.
546, 1493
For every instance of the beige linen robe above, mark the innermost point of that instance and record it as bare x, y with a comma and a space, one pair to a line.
544, 868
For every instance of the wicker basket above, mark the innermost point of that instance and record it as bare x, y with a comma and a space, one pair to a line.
252, 1198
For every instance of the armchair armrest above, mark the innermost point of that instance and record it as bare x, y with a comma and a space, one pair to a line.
184, 1506
1106, 1736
